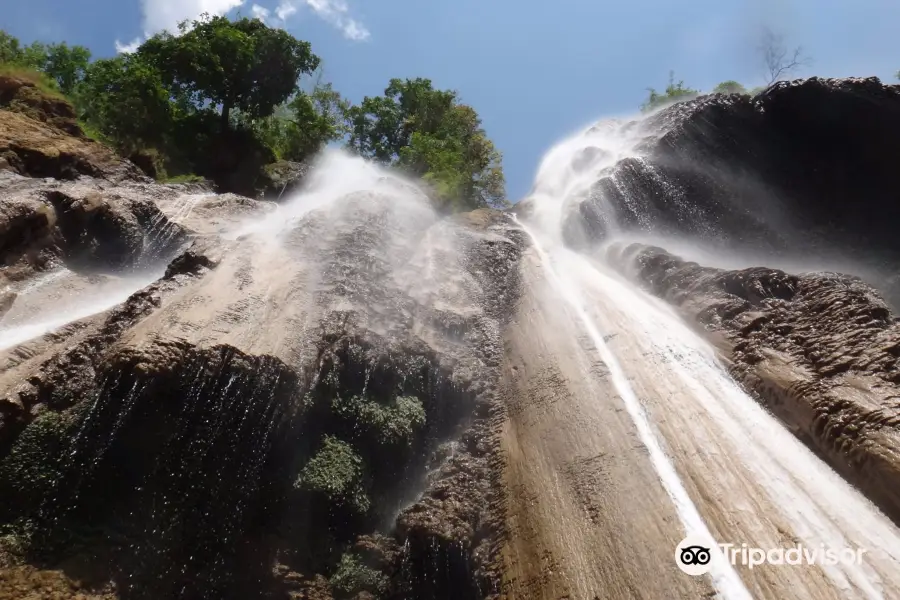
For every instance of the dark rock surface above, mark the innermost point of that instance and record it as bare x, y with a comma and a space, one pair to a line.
820, 350
283, 177
90, 223
805, 166
163, 440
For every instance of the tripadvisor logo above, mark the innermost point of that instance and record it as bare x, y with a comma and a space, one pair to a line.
696, 555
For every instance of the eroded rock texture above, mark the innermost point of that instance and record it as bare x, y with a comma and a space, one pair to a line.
804, 167
40, 137
820, 350
232, 428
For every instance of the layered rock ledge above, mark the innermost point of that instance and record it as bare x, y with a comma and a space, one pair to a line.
819, 350
803, 169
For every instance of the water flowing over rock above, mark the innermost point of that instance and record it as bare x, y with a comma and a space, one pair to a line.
175, 426
820, 350
339, 393
814, 156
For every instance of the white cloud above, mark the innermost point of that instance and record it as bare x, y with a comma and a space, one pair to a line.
162, 15
355, 31
285, 10
167, 14
334, 12
260, 12
129, 48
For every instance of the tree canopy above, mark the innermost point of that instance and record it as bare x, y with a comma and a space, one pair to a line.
428, 133
125, 100
64, 64
223, 96
239, 64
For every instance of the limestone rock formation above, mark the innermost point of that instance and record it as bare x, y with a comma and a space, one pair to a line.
820, 350
815, 156
214, 396
211, 392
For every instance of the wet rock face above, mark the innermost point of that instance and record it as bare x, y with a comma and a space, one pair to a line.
88, 224
253, 423
282, 178
821, 350
814, 155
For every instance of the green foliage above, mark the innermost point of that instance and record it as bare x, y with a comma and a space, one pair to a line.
429, 134
124, 100
304, 125
674, 92
336, 472
729, 87
10, 48
30, 471
241, 64
221, 99
64, 64
393, 423
201, 102
352, 577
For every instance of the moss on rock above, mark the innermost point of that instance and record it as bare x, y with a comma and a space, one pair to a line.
395, 422
336, 472
353, 577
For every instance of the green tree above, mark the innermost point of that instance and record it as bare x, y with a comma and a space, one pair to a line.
63, 63
66, 64
125, 100
729, 87
674, 92
382, 126
242, 65
313, 120
305, 124
427, 133
10, 48
459, 160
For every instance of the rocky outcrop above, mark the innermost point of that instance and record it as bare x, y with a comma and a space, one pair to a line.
87, 225
40, 137
282, 178
820, 350
253, 421
804, 167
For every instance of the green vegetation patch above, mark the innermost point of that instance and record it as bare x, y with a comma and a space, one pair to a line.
352, 577
394, 423
29, 473
336, 472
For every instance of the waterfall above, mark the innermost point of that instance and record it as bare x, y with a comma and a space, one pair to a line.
698, 427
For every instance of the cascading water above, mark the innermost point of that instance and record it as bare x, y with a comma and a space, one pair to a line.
698, 427
345, 327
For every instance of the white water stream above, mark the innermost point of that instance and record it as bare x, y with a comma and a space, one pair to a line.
685, 388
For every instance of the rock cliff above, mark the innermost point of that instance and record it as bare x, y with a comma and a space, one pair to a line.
346, 395
819, 350
805, 168
302, 412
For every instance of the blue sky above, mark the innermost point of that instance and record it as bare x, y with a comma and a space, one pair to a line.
535, 71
